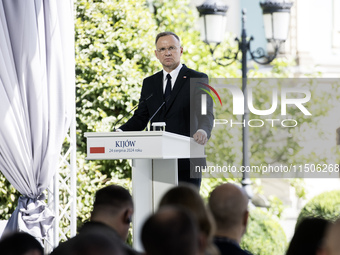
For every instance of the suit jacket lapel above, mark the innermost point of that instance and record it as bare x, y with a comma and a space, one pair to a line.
159, 86
181, 78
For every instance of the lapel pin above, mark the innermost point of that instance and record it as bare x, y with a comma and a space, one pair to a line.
184, 77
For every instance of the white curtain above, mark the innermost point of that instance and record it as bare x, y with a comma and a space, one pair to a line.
37, 91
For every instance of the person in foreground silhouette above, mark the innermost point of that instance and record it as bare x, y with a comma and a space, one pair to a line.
187, 196
20, 243
308, 237
229, 206
170, 231
332, 240
111, 216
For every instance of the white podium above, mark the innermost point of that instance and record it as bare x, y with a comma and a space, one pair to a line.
154, 157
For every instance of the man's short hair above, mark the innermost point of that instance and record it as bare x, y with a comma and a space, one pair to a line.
114, 196
165, 34
228, 203
187, 196
170, 231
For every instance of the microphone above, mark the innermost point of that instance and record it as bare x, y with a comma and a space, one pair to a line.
142, 101
159, 108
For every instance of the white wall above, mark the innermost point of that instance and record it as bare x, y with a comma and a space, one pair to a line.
317, 37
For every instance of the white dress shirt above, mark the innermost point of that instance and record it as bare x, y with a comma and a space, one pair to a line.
174, 74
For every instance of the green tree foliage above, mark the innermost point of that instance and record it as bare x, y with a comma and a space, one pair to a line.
8, 198
264, 235
325, 206
113, 54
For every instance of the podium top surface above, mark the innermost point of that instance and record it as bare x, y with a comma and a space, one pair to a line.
135, 133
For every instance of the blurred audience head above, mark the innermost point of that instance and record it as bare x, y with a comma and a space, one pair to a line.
90, 244
228, 204
20, 243
308, 237
332, 240
170, 231
187, 196
113, 206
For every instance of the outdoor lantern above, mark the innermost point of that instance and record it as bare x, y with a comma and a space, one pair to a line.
213, 20
276, 16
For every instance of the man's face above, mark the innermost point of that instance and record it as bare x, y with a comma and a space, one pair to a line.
169, 52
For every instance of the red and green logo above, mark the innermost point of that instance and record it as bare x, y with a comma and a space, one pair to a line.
209, 93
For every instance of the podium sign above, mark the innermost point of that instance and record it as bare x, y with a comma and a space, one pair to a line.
131, 145
154, 157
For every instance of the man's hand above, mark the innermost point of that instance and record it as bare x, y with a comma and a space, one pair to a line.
201, 137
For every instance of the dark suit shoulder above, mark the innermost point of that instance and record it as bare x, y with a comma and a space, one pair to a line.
107, 231
154, 76
151, 83
185, 70
226, 246
194, 73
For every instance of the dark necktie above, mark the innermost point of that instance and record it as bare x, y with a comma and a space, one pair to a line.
168, 87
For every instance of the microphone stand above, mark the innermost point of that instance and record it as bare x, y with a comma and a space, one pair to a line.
114, 124
165, 101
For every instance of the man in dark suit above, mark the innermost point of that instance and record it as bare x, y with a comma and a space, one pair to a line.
175, 89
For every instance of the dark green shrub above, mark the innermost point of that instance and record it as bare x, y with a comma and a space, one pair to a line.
264, 234
8, 198
325, 206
